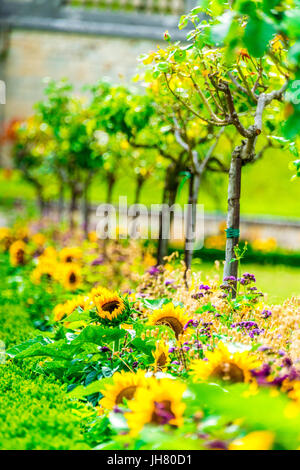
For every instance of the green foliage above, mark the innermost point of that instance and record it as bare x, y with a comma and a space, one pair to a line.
34, 411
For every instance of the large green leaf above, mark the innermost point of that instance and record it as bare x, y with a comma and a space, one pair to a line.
99, 335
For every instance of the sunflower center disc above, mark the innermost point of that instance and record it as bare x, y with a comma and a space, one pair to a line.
110, 306
72, 278
161, 361
229, 372
127, 393
20, 257
173, 323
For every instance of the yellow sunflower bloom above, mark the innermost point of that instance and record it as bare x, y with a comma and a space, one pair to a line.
49, 252
110, 307
98, 291
70, 255
39, 239
257, 440
45, 271
174, 317
223, 365
161, 356
17, 253
70, 276
64, 310
159, 404
93, 237
5, 238
125, 385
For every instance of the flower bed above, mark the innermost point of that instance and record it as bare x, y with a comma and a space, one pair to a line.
158, 361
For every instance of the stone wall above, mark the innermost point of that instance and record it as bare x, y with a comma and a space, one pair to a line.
33, 55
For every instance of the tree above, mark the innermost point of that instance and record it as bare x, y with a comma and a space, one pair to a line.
224, 91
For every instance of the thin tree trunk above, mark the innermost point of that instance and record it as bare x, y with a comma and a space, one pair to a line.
86, 210
75, 193
110, 186
169, 198
233, 217
61, 200
190, 237
139, 185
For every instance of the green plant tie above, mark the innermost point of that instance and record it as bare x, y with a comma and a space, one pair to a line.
232, 232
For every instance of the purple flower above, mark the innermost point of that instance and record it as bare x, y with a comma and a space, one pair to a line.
98, 261
266, 313
204, 287
104, 349
263, 372
135, 364
168, 282
263, 348
171, 350
217, 444
230, 278
164, 414
287, 362
153, 271
176, 363
192, 323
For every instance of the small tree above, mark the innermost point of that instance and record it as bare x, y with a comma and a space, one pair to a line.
223, 93
32, 142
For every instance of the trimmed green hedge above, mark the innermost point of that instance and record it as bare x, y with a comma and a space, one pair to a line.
34, 410
274, 258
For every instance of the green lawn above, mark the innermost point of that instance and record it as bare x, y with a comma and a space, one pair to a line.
278, 282
267, 189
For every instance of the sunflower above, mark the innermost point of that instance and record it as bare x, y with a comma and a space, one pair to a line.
174, 317
70, 255
98, 291
64, 310
110, 307
159, 404
45, 271
93, 237
161, 355
49, 253
39, 239
17, 253
257, 440
125, 385
70, 276
224, 365
5, 238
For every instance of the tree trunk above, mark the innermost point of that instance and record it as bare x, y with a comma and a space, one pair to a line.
75, 193
169, 197
139, 185
61, 200
40, 198
233, 217
190, 237
86, 210
110, 186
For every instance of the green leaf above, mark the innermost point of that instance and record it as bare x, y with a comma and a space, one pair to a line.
38, 340
257, 36
99, 335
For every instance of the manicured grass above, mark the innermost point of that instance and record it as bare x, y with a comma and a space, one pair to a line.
278, 282
266, 189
